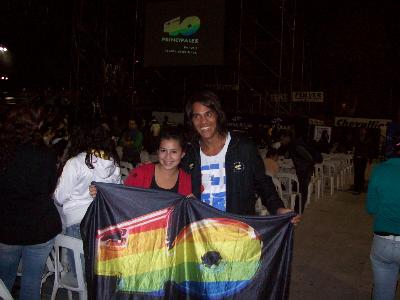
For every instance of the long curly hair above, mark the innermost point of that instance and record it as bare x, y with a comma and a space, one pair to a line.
92, 139
21, 126
101, 140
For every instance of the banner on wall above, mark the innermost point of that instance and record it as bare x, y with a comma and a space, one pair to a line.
308, 96
361, 122
378, 125
147, 244
279, 97
184, 33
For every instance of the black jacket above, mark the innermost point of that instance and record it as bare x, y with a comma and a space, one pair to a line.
245, 176
28, 215
304, 157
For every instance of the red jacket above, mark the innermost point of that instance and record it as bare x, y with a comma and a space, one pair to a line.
143, 175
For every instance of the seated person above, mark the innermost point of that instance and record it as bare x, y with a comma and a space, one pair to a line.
271, 162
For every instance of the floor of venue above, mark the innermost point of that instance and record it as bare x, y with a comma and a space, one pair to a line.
331, 250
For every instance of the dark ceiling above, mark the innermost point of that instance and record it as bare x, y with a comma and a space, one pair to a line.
348, 49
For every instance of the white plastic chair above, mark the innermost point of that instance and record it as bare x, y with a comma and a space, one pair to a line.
310, 190
50, 268
316, 180
75, 245
330, 173
261, 210
4, 292
289, 180
292, 197
319, 177
348, 167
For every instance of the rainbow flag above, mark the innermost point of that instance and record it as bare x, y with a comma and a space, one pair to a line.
145, 244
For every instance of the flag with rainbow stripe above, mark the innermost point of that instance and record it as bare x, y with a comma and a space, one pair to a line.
147, 244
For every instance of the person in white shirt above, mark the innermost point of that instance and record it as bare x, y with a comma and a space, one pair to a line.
96, 161
93, 158
225, 168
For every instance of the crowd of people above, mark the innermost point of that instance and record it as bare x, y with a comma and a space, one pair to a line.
46, 171
47, 165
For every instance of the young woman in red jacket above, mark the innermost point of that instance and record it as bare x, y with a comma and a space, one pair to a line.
166, 174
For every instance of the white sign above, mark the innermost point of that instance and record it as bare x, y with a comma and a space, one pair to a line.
308, 96
316, 122
318, 130
282, 97
361, 122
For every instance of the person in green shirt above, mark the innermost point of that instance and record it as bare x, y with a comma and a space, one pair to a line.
132, 142
383, 203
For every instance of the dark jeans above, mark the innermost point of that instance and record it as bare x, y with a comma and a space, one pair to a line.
360, 163
33, 264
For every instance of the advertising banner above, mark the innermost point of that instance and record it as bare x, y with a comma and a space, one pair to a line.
184, 33
361, 122
308, 96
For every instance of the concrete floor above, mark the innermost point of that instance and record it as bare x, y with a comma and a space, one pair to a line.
331, 251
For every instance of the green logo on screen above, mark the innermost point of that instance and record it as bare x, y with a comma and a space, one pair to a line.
189, 26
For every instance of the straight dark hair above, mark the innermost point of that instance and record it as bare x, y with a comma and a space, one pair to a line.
173, 133
212, 101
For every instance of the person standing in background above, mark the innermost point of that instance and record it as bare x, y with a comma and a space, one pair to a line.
323, 144
132, 142
166, 122
304, 158
362, 155
155, 129
383, 203
29, 219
